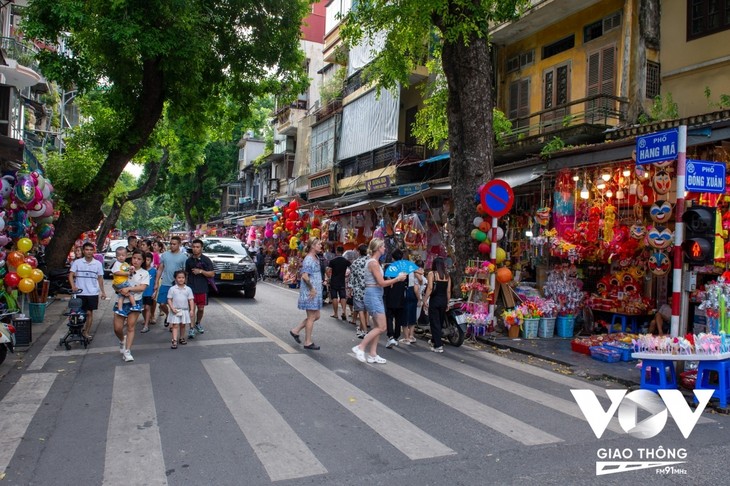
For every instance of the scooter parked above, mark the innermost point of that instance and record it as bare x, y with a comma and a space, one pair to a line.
454, 329
7, 335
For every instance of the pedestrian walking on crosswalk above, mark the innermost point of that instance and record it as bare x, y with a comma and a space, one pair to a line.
310, 294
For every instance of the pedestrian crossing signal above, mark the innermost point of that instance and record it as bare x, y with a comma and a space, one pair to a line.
699, 242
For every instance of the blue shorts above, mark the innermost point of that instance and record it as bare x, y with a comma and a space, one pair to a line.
162, 294
374, 300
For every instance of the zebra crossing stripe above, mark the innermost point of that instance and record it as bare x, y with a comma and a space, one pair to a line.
403, 435
17, 410
133, 444
283, 454
491, 417
561, 405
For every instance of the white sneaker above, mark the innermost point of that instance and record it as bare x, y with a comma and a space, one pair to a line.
376, 359
127, 356
123, 345
359, 353
404, 341
391, 342
440, 349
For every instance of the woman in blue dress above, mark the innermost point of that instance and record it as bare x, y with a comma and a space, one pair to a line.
310, 293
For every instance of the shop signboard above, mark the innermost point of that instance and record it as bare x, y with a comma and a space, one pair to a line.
377, 184
409, 189
704, 176
496, 197
657, 147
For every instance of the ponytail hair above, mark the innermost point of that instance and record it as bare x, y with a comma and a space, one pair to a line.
374, 246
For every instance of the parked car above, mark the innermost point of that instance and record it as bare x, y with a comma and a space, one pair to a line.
234, 267
110, 255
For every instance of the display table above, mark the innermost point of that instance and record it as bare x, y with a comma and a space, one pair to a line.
654, 368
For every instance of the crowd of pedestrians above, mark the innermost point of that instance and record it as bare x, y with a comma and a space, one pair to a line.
393, 304
146, 276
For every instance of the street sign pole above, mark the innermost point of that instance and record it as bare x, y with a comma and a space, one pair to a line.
679, 299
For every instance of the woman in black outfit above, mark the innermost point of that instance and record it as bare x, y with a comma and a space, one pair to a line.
436, 301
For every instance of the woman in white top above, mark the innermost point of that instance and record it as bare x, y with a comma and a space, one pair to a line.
137, 283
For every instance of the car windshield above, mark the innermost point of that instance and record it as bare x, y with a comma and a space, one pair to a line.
117, 244
225, 247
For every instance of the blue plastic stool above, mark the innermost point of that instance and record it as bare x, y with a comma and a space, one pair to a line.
654, 374
624, 321
722, 368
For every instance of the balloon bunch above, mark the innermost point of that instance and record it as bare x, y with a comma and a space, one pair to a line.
26, 198
22, 271
291, 226
482, 232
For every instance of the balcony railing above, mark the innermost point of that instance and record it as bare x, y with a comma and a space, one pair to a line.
353, 84
596, 110
21, 51
326, 111
396, 153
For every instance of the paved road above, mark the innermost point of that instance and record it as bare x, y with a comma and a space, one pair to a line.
243, 404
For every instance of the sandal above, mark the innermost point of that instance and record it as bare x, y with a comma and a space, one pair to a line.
174, 344
312, 346
145, 329
183, 341
296, 337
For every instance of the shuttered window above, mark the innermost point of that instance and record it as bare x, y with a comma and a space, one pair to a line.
601, 81
556, 92
519, 103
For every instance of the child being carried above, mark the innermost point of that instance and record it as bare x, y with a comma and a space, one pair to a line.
121, 271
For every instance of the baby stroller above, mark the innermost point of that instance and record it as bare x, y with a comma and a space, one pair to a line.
76, 320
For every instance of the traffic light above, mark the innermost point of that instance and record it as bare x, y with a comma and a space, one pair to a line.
699, 240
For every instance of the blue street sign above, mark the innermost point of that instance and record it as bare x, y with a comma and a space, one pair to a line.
657, 147
704, 176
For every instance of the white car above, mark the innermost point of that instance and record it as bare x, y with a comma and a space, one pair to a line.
110, 255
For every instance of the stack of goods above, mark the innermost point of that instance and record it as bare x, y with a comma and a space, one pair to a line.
564, 288
715, 303
700, 344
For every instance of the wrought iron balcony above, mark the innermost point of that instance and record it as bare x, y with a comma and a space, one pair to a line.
21, 51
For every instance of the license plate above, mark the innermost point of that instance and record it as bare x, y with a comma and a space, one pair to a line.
460, 318
226, 276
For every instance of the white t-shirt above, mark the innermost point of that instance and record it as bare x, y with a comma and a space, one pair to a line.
140, 277
86, 275
180, 297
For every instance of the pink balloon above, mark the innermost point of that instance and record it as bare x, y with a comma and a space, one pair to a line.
49, 208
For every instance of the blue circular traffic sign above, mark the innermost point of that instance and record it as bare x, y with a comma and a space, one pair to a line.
497, 198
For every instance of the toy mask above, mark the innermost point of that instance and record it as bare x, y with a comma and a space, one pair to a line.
660, 237
659, 263
661, 211
662, 182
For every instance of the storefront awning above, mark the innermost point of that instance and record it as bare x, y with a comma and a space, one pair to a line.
518, 177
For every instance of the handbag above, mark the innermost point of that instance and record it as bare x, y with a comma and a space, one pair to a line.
423, 318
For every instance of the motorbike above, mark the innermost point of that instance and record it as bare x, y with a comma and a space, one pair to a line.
58, 282
453, 330
7, 335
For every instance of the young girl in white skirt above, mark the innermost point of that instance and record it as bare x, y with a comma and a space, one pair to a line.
180, 301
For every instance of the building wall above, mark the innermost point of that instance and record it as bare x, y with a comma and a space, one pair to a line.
575, 57
252, 149
313, 24
690, 66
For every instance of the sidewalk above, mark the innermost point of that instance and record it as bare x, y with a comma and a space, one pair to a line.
557, 350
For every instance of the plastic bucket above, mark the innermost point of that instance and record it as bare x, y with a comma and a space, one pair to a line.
529, 328
37, 312
546, 328
565, 326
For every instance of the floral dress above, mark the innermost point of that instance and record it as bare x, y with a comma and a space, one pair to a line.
311, 267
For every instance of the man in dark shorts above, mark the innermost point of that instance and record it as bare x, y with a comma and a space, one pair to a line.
199, 269
87, 275
336, 270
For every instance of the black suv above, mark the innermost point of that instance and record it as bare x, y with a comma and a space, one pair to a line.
233, 265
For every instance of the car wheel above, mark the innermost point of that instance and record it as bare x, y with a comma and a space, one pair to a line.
250, 293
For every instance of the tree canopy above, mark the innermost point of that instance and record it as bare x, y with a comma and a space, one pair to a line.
456, 32
141, 58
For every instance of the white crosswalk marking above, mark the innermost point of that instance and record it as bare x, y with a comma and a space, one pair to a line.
529, 393
403, 435
491, 417
17, 410
283, 454
133, 445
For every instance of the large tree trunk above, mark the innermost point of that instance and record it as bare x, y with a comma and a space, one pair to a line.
153, 171
84, 212
468, 72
